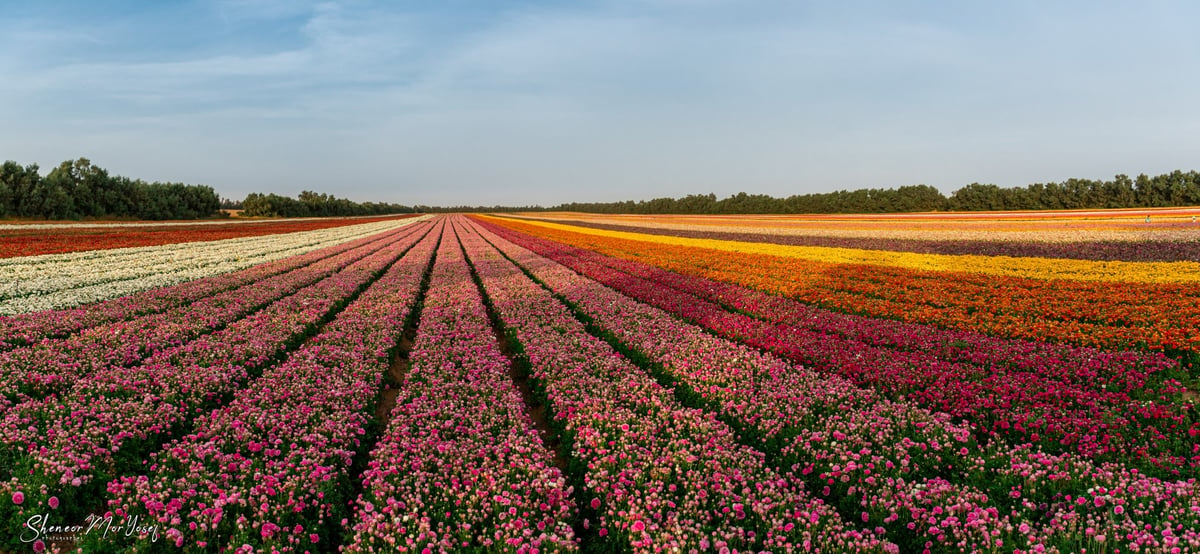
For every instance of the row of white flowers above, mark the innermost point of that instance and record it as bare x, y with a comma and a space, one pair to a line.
57, 281
153, 224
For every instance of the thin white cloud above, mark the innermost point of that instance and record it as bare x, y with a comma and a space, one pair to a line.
613, 99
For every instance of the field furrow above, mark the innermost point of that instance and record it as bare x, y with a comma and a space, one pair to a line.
287, 441
55, 282
1100, 304
1152, 428
52, 366
113, 419
25, 329
460, 464
893, 466
496, 384
651, 472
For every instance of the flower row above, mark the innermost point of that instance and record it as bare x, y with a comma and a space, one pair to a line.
36, 240
1154, 250
24, 329
1088, 313
271, 470
1027, 404
654, 475
819, 426
992, 266
1128, 371
60, 281
114, 418
913, 474
459, 465
52, 366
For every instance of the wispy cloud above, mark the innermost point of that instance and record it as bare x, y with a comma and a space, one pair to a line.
522, 102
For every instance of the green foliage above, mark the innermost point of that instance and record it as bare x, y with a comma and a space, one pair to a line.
311, 204
1173, 189
77, 189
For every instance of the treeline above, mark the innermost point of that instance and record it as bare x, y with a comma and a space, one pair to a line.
311, 204
485, 209
1167, 190
77, 189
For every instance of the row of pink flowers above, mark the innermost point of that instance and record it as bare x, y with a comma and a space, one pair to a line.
271, 469
52, 366
1029, 402
114, 418
460, 465
656, 476
912, 475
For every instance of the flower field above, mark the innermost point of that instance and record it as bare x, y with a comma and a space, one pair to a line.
608, 384
59, 281
33, 239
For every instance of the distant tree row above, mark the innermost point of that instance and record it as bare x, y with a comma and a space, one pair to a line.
1167, 190
78, 189
485, 209
311, 204
1171, 189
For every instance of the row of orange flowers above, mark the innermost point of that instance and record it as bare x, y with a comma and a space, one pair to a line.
1157, 316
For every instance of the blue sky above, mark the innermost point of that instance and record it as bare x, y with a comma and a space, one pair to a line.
515, 102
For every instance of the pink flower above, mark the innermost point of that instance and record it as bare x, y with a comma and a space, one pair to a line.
268, 530
639, 525
53, 502
18, 497
1118, 509
39, 546
595, 503
866, 517
314, 537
